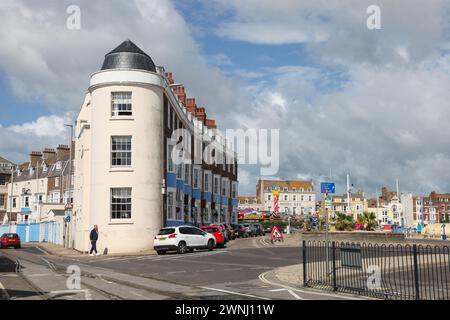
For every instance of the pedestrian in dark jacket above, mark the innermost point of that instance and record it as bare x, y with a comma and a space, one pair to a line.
93, 236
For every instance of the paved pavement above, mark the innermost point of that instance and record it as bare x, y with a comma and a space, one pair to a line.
247, 269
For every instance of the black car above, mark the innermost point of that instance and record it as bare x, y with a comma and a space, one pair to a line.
258, 229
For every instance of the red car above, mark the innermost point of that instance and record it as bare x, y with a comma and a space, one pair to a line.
10, 240
215, 231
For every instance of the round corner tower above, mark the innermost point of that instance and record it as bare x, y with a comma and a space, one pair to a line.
120, 156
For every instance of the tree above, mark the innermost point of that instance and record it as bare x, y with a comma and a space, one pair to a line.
344, 222
368, 220
371, 220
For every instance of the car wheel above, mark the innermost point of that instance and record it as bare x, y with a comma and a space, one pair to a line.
210, 245
182, 248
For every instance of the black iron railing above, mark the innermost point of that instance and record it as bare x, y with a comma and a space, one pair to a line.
404, 272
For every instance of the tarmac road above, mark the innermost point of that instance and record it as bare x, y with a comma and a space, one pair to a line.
240, 271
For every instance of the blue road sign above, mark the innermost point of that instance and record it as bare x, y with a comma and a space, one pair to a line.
327, 187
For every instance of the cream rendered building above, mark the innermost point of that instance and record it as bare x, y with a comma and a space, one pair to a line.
294, 197
119, 154
125, 179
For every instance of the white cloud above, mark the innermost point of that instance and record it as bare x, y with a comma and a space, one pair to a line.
43, 126
335, 31
385, 123
47, 63
46, 132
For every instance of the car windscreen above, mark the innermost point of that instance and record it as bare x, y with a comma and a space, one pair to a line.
166, 231
9, 235
210, 230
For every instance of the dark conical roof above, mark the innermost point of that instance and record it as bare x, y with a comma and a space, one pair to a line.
128, 56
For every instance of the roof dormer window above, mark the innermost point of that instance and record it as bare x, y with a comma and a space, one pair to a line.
58, 165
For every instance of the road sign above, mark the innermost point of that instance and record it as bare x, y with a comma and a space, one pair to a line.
328, 202
327, 187
276, 234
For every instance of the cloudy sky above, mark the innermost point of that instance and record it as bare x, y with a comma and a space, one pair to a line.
371, 103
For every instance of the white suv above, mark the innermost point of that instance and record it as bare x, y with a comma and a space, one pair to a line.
183, 239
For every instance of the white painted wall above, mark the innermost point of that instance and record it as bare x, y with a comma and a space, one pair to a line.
145, 175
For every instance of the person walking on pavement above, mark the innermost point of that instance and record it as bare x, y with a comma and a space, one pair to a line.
93, 236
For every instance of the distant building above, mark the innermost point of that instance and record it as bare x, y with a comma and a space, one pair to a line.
5, 177
382, 211
251, 202
408, 206
41, 185
295, 197
418, 216
340, 203
441, 202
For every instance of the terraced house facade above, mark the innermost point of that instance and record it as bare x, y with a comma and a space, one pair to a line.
41, 185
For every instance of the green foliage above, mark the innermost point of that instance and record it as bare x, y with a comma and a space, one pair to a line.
344, 222
368, 220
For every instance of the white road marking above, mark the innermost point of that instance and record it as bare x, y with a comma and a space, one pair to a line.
208, 270
237, 293
174, 272
44, 275
295, 295
4, 292
232, 269
86, 292
137, 294
11, 275
277, 290
262, 277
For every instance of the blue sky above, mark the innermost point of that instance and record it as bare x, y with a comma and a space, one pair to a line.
373, 104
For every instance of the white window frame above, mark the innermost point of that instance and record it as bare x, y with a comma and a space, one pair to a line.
128, 160
127, 104
123, 213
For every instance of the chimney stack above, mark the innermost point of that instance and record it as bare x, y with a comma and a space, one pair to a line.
191, 106
211, 124
169, 77
200, 114
180, 92
49, 155
62, 151
35, 156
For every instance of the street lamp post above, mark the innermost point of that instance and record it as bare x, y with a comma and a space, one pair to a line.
69, 207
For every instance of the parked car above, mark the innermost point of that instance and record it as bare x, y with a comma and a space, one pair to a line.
240, 231
224, 231
230, 230
258, 229
215, 231
8, 240
183, 239
249, 230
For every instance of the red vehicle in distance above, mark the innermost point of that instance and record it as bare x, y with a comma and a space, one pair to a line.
215, 231
8, 240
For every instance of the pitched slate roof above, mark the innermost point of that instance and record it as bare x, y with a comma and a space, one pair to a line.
2, 169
